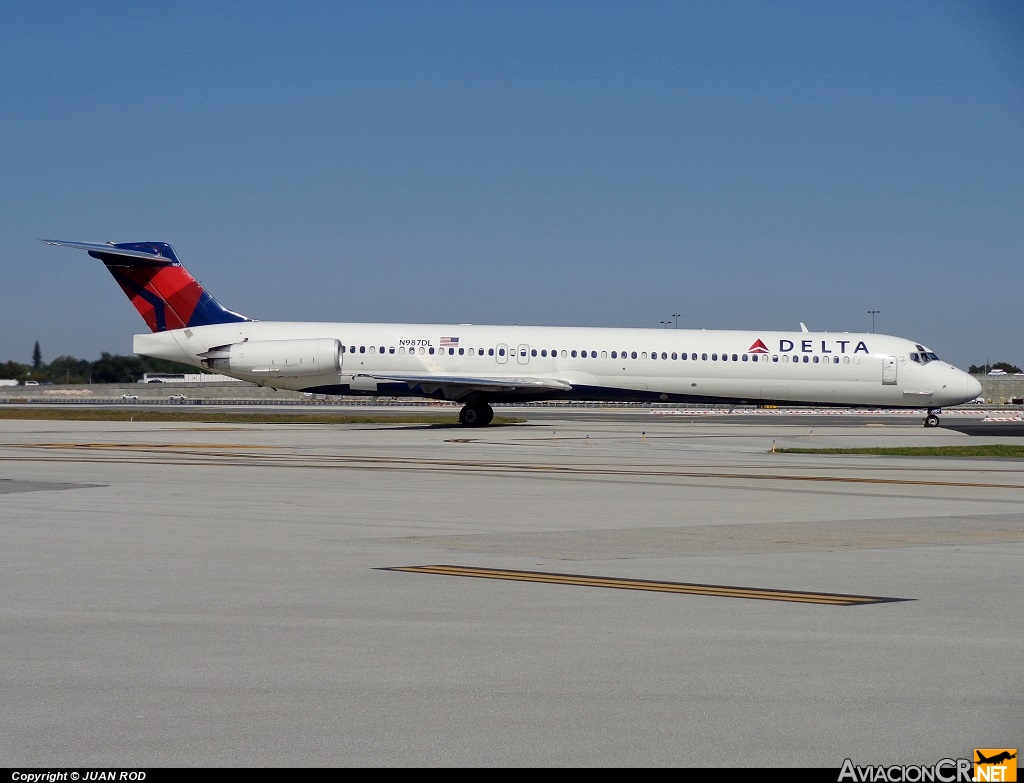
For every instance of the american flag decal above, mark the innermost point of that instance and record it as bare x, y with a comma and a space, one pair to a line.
449, 342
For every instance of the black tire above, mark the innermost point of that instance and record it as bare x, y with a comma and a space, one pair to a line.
471, 416
931, 420
479, 415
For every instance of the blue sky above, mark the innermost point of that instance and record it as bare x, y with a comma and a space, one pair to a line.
746, 164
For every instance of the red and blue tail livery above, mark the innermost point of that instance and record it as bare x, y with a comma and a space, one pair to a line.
162, 290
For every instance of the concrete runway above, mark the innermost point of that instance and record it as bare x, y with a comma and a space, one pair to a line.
219, 595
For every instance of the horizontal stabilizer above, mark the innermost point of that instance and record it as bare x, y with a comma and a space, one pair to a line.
160, 252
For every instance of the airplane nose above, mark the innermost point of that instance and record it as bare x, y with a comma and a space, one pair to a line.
973, 388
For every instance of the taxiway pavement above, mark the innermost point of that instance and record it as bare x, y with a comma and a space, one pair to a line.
220, 595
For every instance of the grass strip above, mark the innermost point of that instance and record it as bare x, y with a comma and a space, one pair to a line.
200, 415
991, 450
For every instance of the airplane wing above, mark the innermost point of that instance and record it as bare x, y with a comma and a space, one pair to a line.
482, 383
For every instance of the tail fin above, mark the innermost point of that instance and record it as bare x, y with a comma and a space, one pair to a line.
162, 290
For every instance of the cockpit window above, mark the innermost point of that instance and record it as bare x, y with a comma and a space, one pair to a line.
915, 358
924, 357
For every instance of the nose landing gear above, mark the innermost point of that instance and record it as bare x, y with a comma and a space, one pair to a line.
932, 419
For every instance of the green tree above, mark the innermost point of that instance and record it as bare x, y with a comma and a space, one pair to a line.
15, 370
116, 369
37, 357
981, 369
68, 369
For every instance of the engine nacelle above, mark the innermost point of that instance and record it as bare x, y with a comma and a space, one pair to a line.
276, 358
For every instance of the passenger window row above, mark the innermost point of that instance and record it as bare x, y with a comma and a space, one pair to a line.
585, 354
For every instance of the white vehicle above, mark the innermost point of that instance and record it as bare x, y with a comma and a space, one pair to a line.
177, 398
129, 398
480, 365
997, 372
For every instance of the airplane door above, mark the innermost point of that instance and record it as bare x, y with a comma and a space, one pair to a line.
523, 354
889, 369
501, 353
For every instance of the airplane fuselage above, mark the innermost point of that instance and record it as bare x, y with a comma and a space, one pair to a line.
478, 365
672, 365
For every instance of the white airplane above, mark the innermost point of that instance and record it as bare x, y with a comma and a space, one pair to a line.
480, 365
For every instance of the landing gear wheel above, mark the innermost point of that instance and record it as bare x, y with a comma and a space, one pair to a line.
479, 415
488, 413
931, 420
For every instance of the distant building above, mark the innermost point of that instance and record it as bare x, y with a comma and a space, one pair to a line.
185, 377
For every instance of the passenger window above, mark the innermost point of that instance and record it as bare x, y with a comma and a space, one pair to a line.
574, 354
815, 359
462, 351
501, 352
703, 357
362, 349
490, 352
422, 351
745, 358
431, 350
714, 357
544, 352
604, 354
533, 352
633, 355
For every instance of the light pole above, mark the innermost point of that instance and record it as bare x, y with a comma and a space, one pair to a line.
676, 316
665, 323
873, 313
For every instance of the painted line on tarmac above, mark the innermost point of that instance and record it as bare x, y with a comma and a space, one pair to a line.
721, 591
221, 455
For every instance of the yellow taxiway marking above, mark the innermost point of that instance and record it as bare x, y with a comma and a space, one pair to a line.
723, 591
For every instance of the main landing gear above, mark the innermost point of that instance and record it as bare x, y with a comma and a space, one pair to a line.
478, 414
932, 419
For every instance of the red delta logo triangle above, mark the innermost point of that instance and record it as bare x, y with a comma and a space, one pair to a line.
758, 347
